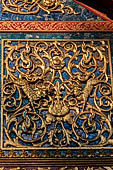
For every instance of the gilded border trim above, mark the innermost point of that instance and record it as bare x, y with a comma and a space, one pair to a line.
56, 26
56, 162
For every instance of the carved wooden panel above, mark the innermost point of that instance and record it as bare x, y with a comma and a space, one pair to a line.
56, 94
56, 86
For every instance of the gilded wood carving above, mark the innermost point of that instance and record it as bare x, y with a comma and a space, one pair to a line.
56, 94
34, 6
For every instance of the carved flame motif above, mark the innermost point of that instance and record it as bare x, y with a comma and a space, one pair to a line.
56, 93
34, 6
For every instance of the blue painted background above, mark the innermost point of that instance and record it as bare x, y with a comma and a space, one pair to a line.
85, 15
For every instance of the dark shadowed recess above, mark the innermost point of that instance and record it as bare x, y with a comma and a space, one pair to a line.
104, 6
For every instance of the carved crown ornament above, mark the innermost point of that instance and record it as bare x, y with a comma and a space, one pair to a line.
34, 6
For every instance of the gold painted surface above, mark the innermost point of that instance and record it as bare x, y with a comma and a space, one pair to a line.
34, 6
35, 105
63, 168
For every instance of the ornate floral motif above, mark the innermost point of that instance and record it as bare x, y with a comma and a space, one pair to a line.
30, 26
56, 94
34, 6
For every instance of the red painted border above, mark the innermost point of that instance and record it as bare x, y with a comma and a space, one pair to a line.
60, 26
102, 15
56, 26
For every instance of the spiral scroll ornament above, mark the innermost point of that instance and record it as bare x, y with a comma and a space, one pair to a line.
56, 94
27, 7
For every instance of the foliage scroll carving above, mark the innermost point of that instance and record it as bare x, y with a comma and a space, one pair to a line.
56, 94
27, 7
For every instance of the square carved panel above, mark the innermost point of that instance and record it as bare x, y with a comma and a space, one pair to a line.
56, 94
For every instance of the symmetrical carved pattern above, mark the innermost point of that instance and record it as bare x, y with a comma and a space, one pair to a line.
56, 94
54, 26
34, 6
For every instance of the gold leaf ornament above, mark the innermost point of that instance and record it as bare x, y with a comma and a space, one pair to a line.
27, 7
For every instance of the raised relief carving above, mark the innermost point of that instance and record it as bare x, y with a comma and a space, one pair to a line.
56, 94
34, 6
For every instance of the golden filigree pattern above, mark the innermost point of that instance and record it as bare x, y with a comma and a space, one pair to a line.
56, 94
34, 6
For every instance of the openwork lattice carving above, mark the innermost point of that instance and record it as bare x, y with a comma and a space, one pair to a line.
56, 94
34, 6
